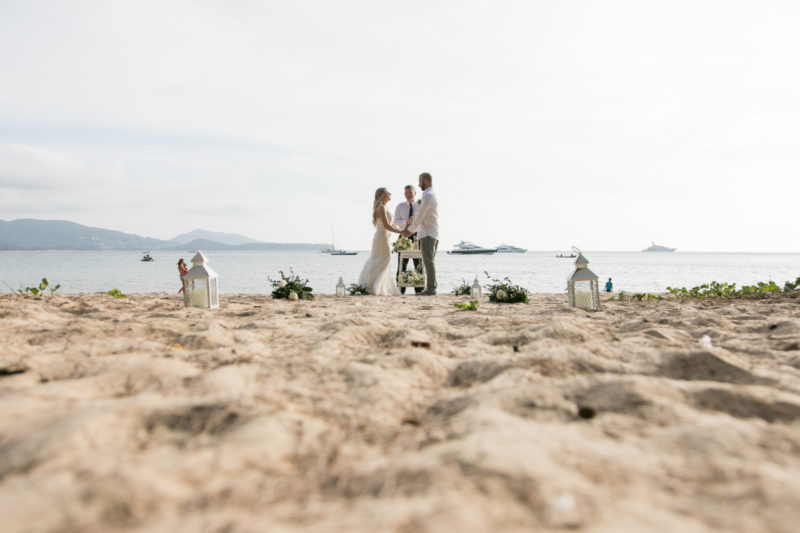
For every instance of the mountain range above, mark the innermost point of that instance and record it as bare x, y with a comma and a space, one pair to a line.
33, 234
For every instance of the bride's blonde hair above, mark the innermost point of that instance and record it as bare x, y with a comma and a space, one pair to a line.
379, 194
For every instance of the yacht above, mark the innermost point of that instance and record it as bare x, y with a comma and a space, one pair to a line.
658, 248
508, 249
147, 257
468, 248
333, 251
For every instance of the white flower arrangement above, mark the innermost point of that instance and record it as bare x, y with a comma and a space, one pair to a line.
282, 283
402, 244
501, 295
412, 278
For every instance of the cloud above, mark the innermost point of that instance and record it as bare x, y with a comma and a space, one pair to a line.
31, 168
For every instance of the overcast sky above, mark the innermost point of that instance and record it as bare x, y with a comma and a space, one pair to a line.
601, 124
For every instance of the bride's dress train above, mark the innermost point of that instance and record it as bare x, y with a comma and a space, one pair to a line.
377, 273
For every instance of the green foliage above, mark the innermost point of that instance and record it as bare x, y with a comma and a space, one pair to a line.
789, 286
471, 306
116, 293
726, 290
639, 297
292, 283
504, 291
39, 291
465, 289
357, 290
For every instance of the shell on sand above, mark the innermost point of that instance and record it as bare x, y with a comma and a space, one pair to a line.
398, 414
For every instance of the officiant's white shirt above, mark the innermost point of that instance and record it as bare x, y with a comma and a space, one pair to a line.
401, 214
426, 218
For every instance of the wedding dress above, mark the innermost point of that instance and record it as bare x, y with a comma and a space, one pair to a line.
377, 273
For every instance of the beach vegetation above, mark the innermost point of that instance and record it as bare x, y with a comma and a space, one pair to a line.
463, 289
637, 296
286, 285
789, 286
357, 290
726, 290
39, 289
116, 293
471, 306
505, 291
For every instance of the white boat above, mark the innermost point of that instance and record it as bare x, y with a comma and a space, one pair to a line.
333, 251
658, 248
147, 257
468, 248
508, 249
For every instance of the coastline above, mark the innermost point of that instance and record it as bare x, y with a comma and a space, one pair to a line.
398, 414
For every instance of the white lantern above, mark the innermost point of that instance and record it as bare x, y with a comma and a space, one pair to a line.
340, 289
200, 285
475, 292
582, 285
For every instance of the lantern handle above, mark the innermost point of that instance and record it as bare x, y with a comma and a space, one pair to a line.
577, 250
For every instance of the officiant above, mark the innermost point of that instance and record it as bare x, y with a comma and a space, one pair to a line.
403, 216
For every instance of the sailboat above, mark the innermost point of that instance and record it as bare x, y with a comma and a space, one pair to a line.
334, 251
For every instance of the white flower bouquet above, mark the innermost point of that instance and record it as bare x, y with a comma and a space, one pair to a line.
411, 278
401, 244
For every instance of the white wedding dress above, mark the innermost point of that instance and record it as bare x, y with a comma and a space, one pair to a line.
377, 274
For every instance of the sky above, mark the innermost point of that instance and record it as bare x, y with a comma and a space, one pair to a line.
545, 124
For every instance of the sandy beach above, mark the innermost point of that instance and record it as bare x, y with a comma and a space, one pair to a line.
398, 414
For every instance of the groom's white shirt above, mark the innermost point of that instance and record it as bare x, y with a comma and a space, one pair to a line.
426, 218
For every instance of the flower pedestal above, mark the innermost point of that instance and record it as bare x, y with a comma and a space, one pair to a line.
410, 278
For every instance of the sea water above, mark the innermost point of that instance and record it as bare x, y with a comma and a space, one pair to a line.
248, 272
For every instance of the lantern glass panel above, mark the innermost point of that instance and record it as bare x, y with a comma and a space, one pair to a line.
584, 294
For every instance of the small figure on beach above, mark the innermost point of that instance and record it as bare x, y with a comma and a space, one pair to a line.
376, 275
182, 269
609, 285
403, 218
426, 226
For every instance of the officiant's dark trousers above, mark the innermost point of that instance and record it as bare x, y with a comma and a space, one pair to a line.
427, 246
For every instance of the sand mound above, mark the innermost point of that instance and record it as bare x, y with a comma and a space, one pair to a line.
398, 414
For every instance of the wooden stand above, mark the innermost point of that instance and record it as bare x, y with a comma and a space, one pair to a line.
410, 254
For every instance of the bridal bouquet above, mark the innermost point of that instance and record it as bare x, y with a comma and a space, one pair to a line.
401, 244
413, 278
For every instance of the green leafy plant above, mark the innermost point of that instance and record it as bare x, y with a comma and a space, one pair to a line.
726, 290
357, 290
471, 306
789, 286
402, 243
284, 287
504, 291
38, 291
464, 289
116, 293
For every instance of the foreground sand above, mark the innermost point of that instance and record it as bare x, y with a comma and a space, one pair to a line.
140, 415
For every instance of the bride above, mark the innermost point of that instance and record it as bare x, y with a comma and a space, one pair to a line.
376, 275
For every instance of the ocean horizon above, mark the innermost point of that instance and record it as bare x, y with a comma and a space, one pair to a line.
248, 272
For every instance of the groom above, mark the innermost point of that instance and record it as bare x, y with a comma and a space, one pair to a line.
426, 226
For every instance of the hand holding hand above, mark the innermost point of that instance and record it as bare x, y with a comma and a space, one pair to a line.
406, 233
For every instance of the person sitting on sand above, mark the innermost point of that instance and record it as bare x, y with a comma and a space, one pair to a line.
182, 269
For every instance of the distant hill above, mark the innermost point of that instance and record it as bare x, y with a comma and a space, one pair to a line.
32, 234
232, 239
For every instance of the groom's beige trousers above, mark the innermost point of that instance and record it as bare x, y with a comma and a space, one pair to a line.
427, 246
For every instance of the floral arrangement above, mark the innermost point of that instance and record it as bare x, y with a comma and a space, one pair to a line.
465, 289
402, 243
504, 291
412, 278
357, 290
291, 287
